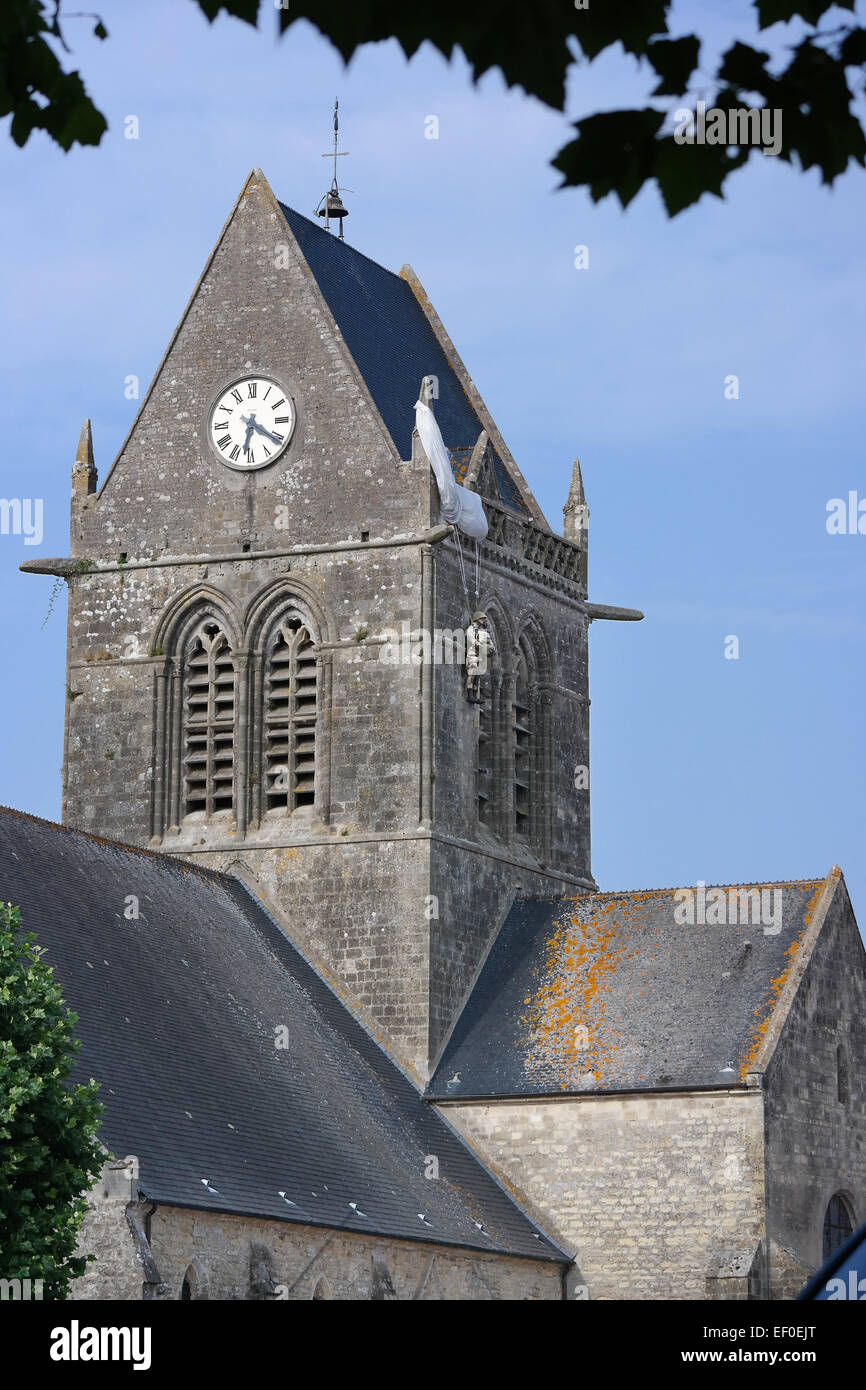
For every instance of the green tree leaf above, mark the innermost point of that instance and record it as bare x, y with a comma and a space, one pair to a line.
674, 60
614, 153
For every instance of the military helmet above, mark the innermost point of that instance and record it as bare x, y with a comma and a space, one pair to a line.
479, 617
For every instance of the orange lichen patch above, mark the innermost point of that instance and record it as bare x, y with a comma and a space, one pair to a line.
565, 1021
765, 1012
813, 901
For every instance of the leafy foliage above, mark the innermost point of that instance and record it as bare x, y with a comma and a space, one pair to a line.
34, 89
49, 1154
533, 45
814, 98
618, 152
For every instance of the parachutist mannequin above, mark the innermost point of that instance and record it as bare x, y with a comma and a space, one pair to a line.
479, 647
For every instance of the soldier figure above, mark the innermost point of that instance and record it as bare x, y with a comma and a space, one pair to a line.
479, 645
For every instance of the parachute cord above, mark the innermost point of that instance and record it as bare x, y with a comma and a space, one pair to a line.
462, 567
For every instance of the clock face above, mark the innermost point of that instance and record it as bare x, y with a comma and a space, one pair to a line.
251, 423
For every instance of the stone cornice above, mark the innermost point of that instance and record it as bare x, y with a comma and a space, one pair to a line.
67, 566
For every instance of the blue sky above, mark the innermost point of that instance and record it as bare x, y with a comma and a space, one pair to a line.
706, 513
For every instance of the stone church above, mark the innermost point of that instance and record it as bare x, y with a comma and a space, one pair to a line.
365, 1025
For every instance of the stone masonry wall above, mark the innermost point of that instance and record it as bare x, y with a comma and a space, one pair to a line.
349, 882
299, 1256
816, 1143
653, 1195
236, 1257
117, 1270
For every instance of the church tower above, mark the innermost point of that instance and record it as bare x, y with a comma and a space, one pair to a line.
263, 604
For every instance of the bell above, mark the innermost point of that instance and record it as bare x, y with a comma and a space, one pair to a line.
333, 207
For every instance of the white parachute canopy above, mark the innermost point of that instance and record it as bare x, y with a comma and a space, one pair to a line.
460, 507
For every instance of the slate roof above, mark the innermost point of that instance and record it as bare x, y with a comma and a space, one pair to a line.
177, 1017
606, 992
393, 344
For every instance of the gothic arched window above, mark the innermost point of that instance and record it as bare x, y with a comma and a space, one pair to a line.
198, 706
838, 1224
208, 711
195, 1284
290, 711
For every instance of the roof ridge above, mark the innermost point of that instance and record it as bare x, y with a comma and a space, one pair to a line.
671, 888
677, 887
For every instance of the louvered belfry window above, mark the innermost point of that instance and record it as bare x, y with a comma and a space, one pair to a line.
290, 717
208, 722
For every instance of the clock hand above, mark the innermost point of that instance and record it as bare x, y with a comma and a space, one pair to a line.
261, 429
250, 422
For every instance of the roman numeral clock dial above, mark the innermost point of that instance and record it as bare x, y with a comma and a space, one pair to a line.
251, 423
